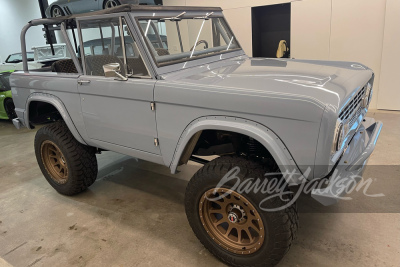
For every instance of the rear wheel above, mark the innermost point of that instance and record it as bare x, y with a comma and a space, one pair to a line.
69, 166
230, 223
10, 108
111, 3
56, 11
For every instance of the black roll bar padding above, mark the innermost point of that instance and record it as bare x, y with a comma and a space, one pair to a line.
49, 39
71, 26
101, 35
179, 35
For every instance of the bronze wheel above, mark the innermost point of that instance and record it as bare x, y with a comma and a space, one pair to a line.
69, 166
230, 224
231, 221
54, 162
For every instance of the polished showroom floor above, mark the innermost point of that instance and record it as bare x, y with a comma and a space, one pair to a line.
134, 214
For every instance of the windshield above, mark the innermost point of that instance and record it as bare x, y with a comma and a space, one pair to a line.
16, 58
174, 40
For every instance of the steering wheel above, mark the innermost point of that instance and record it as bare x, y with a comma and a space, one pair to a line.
200, 42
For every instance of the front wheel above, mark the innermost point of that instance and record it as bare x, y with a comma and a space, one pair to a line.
111, 3
230, 222
56, 11
69, 166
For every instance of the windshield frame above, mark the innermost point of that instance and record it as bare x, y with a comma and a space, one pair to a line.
184, 60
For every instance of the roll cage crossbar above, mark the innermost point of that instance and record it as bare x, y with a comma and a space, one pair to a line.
64, 24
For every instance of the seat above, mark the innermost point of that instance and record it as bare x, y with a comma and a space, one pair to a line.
64, 66
94, 64
136, 66
162, 51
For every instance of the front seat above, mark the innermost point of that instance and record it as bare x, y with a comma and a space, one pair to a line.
64, 66
94, 64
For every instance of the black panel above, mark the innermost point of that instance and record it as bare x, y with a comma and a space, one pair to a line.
270, 24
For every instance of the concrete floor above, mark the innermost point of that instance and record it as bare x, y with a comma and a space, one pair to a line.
134, 214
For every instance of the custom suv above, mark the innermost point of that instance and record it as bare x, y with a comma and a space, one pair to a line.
194, 93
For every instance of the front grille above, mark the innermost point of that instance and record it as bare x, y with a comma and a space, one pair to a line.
350, 111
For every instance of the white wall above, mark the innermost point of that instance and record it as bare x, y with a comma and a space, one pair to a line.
311, 29
389, 93
365, 31
357, 35
14, 14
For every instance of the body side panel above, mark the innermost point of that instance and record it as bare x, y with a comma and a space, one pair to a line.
178, 104
61, 91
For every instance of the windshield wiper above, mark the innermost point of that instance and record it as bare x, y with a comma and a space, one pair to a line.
176, 18
206, 17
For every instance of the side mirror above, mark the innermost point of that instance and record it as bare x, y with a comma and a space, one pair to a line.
114, 70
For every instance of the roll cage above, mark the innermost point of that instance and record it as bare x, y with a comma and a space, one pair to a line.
72, 22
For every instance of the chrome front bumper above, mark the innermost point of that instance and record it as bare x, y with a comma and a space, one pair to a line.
351, 166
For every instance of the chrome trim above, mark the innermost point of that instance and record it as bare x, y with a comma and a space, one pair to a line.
351, 116
349, 111
359, 162
346, 175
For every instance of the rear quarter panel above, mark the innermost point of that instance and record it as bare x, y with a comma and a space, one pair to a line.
63, 86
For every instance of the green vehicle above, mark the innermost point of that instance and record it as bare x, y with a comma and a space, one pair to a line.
7, 108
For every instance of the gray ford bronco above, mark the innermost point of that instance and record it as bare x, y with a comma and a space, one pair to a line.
172, 84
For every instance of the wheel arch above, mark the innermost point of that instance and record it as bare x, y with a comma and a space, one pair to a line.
257, 131
57, 104
3, 103
5, 99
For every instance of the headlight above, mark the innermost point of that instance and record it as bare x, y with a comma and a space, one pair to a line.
339, 136
368, 95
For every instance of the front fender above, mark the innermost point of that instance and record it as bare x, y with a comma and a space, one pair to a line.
259, 132
58, 104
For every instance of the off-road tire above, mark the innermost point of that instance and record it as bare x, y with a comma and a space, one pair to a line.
281, 226
80, 159
10, 109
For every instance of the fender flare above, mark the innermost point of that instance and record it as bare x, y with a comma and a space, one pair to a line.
259, 132
58, 104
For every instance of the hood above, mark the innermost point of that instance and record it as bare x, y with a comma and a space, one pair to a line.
322, 83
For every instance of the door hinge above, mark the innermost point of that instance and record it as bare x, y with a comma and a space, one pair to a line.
153, 105
156, 143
